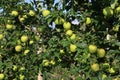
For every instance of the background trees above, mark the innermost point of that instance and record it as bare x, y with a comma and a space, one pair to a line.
72, 39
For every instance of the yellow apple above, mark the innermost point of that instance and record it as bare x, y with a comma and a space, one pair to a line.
31, 13
59, 21
26, 51
52, 62
62, 51
24, 38
25, 16
31, 42
88, 21
115, 28
95, 67
92, 48
104, 76
22, 68
14, 67
46, 63
111, 70
118, 9
18, 48
69, 32
1, 36
21, 77
2, 76
73, 48
101, 53
66, 25
45, 13
14, 13
73, 37
9, 26
21, 19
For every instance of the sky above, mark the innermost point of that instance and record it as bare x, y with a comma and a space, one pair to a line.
32, 0
27, 0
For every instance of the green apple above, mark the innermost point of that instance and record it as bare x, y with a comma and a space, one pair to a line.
22, 68
115, 28
118, 9
107, 11
46, 63
52, 62
21, 19
21, 77
111, 70
14, 67
59, 21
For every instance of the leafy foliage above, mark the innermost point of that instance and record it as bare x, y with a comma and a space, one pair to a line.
50, 49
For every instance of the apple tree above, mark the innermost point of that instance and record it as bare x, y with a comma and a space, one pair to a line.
64, 40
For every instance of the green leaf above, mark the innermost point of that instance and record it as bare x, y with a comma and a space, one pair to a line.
113, 3
117, 43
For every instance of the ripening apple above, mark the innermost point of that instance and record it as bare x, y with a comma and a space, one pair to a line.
111, 70
73, 37
92, 48
95, 67
118, 9
2, 76
1, 36
107, 11
14, 67
69, 32
45, 13
88, 21
21, 77
26, 51
31, 13
22, 68
31, 42
14, 13
52, 62
62, 51
46, 63
24, 38
116, 28
59, 21
101, 53
9, 26
66, 25
18, 48
73, 47
21, 19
